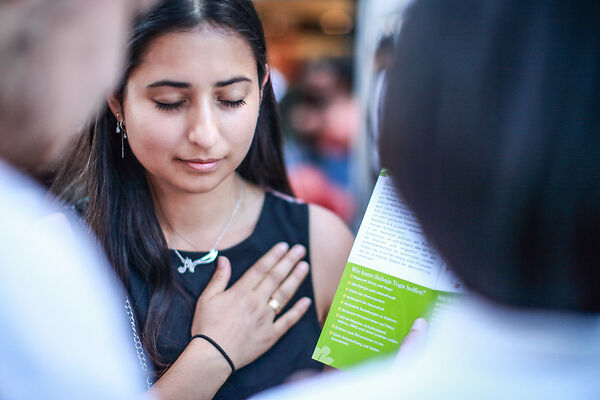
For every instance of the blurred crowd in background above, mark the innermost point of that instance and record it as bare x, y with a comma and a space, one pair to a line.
327, 59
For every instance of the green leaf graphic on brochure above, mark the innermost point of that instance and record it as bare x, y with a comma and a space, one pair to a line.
322, 354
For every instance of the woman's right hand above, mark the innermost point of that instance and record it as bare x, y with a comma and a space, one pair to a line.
240, 319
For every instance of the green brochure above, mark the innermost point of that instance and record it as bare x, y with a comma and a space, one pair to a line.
392, 277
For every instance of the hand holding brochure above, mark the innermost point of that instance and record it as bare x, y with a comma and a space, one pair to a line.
392, 277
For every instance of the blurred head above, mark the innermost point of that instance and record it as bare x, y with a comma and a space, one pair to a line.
323, 113
326, 78
491, 129
57, 60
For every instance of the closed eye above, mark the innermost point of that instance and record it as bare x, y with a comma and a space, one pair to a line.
169, 106
233, 104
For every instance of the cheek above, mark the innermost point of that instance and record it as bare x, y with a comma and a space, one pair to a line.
241, 132
150, 138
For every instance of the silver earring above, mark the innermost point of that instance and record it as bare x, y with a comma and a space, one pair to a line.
121, 131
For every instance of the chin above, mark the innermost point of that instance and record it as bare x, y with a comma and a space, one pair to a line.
203, 185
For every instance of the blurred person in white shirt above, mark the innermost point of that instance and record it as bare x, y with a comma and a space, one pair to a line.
63, 327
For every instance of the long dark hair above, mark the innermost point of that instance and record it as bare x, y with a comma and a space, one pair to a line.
491, 129
119, 208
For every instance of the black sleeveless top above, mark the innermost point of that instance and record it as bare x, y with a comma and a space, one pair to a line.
281, 219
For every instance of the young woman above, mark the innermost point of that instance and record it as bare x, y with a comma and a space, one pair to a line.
185, 164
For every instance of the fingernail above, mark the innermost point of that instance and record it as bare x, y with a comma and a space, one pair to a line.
282, 247
419, 324
305, 301
298, 250
302, 266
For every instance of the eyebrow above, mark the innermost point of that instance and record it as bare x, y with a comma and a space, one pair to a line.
175, 84
232, 81
185, 85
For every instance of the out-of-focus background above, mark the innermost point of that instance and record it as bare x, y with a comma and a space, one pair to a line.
327, 59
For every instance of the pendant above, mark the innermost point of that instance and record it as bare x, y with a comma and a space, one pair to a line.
187, 264
190, 265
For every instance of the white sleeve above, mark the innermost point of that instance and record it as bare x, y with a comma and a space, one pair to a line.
63, 332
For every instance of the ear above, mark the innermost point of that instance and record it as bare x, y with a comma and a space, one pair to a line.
115, 107
265, 80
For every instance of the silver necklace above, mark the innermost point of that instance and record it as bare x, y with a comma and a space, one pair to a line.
187, 264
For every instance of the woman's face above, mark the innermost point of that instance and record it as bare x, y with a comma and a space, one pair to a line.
191, 107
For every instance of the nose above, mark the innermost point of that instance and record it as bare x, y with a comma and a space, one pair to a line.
203, 125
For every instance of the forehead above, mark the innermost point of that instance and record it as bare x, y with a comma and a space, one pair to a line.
201, 56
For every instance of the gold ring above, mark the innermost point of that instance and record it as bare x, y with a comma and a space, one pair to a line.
274, 304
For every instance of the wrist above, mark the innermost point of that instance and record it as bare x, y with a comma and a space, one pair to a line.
212, 355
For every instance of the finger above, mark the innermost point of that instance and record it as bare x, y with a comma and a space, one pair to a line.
413, 340
288, 287
263, 266
220, 278
293, 315
280, 271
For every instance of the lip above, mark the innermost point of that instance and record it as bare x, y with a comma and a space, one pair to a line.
202, 165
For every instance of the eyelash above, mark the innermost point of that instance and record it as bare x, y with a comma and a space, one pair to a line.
168, 106
175, 106
233, 104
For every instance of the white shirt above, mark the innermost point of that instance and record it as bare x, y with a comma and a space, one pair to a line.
480, 351
63, 329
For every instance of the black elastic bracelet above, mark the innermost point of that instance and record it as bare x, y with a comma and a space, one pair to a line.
209, 340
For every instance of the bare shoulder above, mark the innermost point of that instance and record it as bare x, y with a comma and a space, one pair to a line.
330, 244
328, 229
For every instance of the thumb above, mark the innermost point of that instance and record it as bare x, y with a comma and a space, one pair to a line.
414, 340
220, 278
